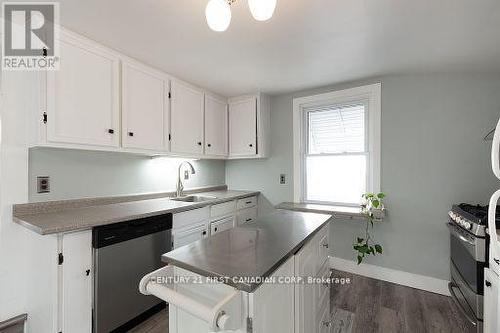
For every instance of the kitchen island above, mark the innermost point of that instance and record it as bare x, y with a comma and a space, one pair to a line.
264, 276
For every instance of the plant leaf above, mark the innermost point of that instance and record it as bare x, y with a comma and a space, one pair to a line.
375, 203
360, 259
378, 248
381, 195
360, 240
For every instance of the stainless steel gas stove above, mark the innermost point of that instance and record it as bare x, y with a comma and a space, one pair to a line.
469, 245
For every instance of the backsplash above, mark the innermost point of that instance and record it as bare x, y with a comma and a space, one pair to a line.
82, 174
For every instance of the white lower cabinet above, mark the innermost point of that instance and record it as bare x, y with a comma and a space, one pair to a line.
312, 299
221, 225
273, 307
76, 282
246, 215
491, 295
189, 235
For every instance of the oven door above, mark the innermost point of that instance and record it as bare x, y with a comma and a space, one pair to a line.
468, 256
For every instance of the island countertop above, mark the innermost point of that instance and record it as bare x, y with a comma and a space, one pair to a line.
252, 250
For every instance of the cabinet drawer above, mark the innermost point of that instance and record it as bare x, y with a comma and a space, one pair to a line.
189, 218
189, 235
221, 225
247, 215
246, 203
223, 209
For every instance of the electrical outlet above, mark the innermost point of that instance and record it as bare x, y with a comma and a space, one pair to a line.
43, 184
282, 178
186, 174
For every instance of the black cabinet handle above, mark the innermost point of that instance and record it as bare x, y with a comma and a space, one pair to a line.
487, 283
215, 229
130, 133
210, 145
199, 143
87, 272
248, 220
111, 131
204, 233
248, 202
250, 145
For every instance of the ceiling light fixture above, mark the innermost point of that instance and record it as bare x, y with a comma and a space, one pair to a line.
218, 12
262, 10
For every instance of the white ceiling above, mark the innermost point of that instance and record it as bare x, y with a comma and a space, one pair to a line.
307, 43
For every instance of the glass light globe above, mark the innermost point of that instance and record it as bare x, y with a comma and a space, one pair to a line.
262, 10
218, 14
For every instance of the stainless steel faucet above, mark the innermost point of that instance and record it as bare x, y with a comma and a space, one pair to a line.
180, 187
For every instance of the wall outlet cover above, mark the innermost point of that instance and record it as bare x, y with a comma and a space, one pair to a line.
43, 184
282, 178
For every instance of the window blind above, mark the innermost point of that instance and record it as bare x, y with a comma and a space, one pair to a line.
334, 129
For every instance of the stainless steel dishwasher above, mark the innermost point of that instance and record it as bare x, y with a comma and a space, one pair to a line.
123, 253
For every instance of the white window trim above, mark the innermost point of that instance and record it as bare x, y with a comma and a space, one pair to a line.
372, 93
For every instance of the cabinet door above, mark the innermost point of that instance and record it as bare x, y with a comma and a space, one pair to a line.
323, 324
144, 107
221, 225
83, 96
305, 298
215, 126
243, 127
273, 303
187, 236
76, 286
247, 215
491, 310
186, 119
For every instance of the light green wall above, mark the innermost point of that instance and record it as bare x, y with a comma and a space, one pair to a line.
433, 156
80, 174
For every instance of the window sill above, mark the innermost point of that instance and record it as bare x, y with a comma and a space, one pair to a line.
336, 211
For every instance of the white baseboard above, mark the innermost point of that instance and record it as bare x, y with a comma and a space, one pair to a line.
417, 281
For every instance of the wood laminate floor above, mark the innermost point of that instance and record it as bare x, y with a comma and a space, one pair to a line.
367, 305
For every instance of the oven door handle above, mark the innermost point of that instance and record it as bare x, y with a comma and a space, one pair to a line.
467, 314
456, 233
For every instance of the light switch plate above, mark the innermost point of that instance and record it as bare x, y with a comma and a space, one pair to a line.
43, 184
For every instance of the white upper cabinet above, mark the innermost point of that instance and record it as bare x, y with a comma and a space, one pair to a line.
83, 96
186, 119
103, 100
144, 107
249, 124
215, 126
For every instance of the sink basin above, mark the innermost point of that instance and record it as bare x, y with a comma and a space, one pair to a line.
194, 198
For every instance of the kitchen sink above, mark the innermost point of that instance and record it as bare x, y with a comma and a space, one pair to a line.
194, 198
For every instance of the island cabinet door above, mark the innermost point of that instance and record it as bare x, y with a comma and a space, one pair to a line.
305, 298
273, 307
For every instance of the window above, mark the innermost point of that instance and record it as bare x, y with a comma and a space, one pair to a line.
337, 146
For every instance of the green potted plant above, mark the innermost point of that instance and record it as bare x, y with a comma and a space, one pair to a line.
374, 211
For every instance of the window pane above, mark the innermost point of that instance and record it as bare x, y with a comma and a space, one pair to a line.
335, 129
339, 179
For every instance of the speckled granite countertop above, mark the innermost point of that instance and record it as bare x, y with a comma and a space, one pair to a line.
46, 219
